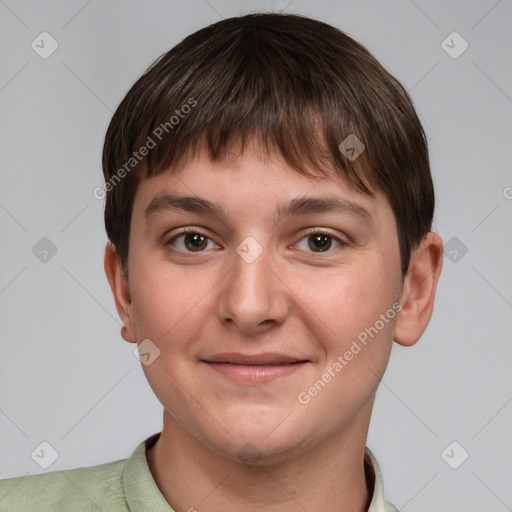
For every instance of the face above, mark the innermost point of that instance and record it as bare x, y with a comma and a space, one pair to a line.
272, 298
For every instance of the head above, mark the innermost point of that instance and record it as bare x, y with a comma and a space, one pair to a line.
284, 130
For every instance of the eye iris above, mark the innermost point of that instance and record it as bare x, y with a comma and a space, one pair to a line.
321, 242
197, 241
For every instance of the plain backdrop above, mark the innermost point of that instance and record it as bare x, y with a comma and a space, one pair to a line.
67, 377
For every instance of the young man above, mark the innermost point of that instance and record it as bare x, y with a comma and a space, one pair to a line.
269, 206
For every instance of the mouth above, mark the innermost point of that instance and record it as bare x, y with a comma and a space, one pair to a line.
254, 369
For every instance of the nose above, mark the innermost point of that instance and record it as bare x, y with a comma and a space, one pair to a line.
252, 297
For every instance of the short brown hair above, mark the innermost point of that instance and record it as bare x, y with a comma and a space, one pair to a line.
299, 86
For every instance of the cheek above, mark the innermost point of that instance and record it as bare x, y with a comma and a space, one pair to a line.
170, 308
169, 303
353, 322
367, 322
343, 303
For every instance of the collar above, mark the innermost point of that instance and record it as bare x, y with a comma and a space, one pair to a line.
142, 493
378, 503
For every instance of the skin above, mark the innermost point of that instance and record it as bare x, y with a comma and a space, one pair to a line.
293, 299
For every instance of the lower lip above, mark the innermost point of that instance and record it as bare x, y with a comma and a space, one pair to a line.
255, 374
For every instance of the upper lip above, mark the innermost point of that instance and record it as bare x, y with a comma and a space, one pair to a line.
253, 359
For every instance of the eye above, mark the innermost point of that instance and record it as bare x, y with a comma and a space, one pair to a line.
191, 241
319, 242
194, 241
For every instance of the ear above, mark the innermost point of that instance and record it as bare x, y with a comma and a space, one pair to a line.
419, 290
119, 285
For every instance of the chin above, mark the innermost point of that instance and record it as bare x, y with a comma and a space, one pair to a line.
261, 447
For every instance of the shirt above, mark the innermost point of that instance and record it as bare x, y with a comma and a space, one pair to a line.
121, 486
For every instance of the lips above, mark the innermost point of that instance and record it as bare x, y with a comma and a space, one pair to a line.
254, 368
255, 359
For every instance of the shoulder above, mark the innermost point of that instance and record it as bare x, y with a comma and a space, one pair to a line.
92, 488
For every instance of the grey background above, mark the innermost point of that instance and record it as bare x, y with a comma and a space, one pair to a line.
69, 379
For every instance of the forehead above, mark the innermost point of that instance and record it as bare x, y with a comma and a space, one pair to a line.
253, 180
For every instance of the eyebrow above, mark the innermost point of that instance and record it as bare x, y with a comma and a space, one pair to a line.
295, 208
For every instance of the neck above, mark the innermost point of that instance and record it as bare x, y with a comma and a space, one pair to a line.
330, 477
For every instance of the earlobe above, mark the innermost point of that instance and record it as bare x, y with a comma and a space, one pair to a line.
419, 290
119, 285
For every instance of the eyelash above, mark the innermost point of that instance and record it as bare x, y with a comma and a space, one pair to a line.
186, 231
